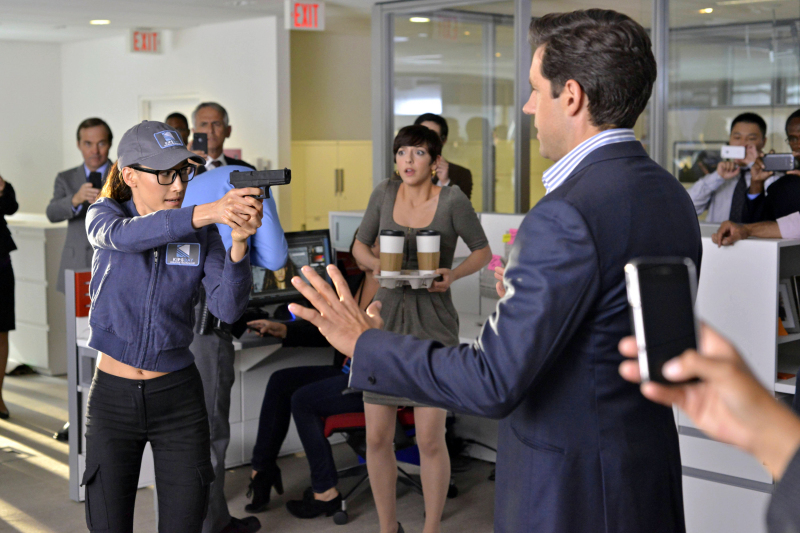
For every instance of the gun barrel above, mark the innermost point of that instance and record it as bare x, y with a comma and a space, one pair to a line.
260, 178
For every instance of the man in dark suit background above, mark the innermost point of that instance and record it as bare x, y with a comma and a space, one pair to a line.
447, 173
212, 119
580, 449
74, 192
213, 349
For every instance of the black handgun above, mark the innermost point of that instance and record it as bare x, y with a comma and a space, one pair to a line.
263, 179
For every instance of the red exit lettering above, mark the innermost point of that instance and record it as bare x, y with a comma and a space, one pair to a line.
306, 15
145, 41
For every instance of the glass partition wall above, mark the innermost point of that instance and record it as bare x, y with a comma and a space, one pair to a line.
726, 58
459, 63
463, 59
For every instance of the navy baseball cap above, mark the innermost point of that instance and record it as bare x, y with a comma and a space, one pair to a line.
154, 145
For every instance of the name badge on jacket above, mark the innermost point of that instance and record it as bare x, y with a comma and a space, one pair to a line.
183, 254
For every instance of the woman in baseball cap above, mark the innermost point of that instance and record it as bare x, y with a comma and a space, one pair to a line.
150, 258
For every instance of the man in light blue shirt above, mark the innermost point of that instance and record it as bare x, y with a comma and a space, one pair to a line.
214, 352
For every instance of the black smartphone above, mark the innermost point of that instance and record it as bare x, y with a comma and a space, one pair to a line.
96, 179
661, 294
200, 142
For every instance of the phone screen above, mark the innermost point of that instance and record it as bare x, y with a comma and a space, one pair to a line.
667, 311
200, 142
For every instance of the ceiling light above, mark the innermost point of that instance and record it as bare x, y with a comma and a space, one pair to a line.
99, 22
419, 19
466, 33
497, 54
706, 11
740, 2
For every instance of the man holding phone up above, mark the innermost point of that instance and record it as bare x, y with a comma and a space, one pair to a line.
211, 128
77, 188
580, 450
724, 192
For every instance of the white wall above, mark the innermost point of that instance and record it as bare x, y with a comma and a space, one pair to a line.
243, 65
30, 107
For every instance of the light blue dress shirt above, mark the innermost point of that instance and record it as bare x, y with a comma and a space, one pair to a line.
268, 248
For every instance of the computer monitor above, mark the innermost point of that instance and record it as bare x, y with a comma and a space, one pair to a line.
312, 248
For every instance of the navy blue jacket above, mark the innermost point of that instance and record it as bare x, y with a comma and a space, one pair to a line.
145, 274
580, 449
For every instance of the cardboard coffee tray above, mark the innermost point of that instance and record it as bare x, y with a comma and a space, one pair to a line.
407, 277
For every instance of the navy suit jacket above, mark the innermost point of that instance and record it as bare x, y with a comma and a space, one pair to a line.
580, 449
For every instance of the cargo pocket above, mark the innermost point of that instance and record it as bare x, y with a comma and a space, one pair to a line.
96, 513
205, 475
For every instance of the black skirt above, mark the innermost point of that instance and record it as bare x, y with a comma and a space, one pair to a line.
7, 322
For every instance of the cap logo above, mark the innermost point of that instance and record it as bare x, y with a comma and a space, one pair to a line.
167, 139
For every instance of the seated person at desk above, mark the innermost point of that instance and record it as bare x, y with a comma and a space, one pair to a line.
781, 197
724, 192
309, 393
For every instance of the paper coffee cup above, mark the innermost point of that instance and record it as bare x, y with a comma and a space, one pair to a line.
428, 242
392, 243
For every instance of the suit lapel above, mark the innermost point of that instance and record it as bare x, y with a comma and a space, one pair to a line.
77, 178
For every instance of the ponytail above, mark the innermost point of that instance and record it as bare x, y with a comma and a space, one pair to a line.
115, 187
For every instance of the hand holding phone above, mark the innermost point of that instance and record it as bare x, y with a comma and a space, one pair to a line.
200, 143
661, 293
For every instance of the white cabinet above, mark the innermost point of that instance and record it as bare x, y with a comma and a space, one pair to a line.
39, 338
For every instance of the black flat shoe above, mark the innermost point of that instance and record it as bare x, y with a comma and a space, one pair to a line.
244, 525
63, 433
308, 507
260, 489
4, 415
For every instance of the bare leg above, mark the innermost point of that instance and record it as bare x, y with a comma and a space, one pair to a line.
3, 362
434, 463
381, 462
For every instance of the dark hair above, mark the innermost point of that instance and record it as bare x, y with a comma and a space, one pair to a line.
419, 136
115, 187
607, 53
793, 116
91, 123
751, 118
436, 119
179, 116
212, 105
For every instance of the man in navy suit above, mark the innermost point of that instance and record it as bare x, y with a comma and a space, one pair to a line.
580, 449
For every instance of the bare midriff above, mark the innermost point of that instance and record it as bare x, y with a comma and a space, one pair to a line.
109, 365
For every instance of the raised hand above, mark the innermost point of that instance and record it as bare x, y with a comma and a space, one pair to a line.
727, 170
87, 193
338, 317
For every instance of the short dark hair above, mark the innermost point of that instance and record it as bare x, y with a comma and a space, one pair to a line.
91, 123
792, 117
212, 105
419, 136
751, 118
607, 53
179, 116
436, 119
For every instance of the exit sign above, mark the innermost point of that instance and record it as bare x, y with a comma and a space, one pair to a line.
305, 15
146, 41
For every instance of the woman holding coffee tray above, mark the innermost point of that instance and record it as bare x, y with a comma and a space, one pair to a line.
410, 205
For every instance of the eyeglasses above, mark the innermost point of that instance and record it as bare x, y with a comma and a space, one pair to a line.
792, 140
167, 177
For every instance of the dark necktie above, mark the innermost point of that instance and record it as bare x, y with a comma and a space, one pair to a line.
216, 163
739, 196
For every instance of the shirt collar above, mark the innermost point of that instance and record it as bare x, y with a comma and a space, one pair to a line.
221, 159
101, 170
561, 170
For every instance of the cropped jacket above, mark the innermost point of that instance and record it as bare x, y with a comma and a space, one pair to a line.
146, 273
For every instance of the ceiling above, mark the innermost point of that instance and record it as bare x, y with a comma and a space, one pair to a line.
68, 20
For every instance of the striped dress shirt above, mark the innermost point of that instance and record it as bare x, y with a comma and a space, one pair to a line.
555, 175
